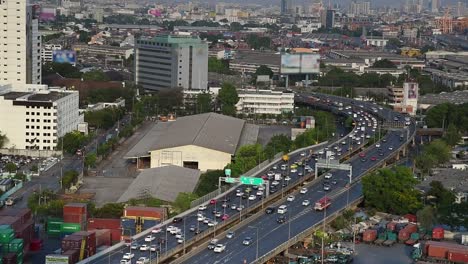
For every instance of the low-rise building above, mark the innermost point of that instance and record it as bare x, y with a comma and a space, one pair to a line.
47, 52
272, 102
36, 120
449, 79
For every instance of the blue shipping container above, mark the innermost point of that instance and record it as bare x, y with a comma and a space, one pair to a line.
147, 224
129, 231
128, 223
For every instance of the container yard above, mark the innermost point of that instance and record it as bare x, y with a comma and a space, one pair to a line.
16, 233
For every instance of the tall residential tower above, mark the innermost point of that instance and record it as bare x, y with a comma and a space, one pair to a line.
20, 43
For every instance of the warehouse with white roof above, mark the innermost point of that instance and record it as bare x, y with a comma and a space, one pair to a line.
204, 142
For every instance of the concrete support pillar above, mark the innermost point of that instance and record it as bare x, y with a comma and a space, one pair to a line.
398, 155
404, 152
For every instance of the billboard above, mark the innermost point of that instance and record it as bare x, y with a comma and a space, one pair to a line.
154, 12
412, 91
64, 56
300, 63
47, 14
290, 63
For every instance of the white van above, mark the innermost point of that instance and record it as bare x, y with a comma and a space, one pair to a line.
282, 209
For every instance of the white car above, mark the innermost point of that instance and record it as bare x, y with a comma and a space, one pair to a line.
142, 260
206, 220
390, 148
305, 203
149, 238
125, 261
144, 247
170, 228
239, 194
252, 197
274, 183
303, 154
156, 230
328, 176
175, 231
343, 142
212, 223
179, 235
202, 207
219, 248
200, 218
180, 240
153, 248
293, 170
260, 193
128, 256
377, 145
287, 178
271, 173
303, 191
290, 198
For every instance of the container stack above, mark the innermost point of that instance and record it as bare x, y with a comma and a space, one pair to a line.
54, 227
405, 233
16, 232
12, 249
113, 225
76, 213
74, 242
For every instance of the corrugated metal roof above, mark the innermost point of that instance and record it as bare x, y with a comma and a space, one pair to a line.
210, 130
163, 183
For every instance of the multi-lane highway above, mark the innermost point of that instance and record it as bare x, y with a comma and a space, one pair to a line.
267, 225
271, 233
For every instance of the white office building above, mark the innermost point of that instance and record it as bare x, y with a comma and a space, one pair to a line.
36, 120
253, 101
171, 61
20, 43
47, 52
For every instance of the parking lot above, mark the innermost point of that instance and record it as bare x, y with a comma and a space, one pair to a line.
23, 163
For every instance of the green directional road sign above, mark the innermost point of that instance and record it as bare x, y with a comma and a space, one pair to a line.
230, 180
251, 180
227, 172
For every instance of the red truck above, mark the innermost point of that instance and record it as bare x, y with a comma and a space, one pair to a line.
323, 203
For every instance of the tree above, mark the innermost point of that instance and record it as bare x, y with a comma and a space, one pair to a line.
228, 97
426, 217
452, 137
219, 66
385, 63
183, 201
439, 150
110, 210
208, 182
95, 75
204, 103
394, 42
278, 143
34, 168
3, 140
295, 29
264, 70
69, 178
391, 190
90, 160
64, 69
72, 141
235, 26
11, 167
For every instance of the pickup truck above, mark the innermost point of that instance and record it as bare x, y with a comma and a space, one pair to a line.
13, 199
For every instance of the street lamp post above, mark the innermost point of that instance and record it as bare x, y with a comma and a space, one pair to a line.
256, 251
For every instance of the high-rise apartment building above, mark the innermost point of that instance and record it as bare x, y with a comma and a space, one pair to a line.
359, 8
286, 7
20, 43
435, 5
171, 61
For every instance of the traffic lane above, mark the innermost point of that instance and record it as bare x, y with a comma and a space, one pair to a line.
295, 208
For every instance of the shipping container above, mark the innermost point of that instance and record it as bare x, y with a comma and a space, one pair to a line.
75, 209
139, 211
9, 258
6, 235
103, 223
103, 237
435, 249
391, 226
70, 227
149, 224
369, 235
35, 245
127, 223
26, 232
129, 232
16, 245
438, 233
54, 232
57, 259
412, 228
23, 214
90, 237
14, 221
74, 218
5, 226
458, 256
73, 255
411, 218
404, 235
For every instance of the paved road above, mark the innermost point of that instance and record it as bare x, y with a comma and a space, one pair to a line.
299, 217
191, 220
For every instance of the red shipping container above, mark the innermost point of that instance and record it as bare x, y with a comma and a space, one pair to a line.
24, 214
36, 245
116, 235
9, 258
411, 217
26, 232
74, 218
369, 235
71, 242
411, 228
74, 255
103, 237
139, 211
458, 256
13, 221
103, 223
438, 233
90, 237
75, 208
404, 235
391, 226
437, 249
